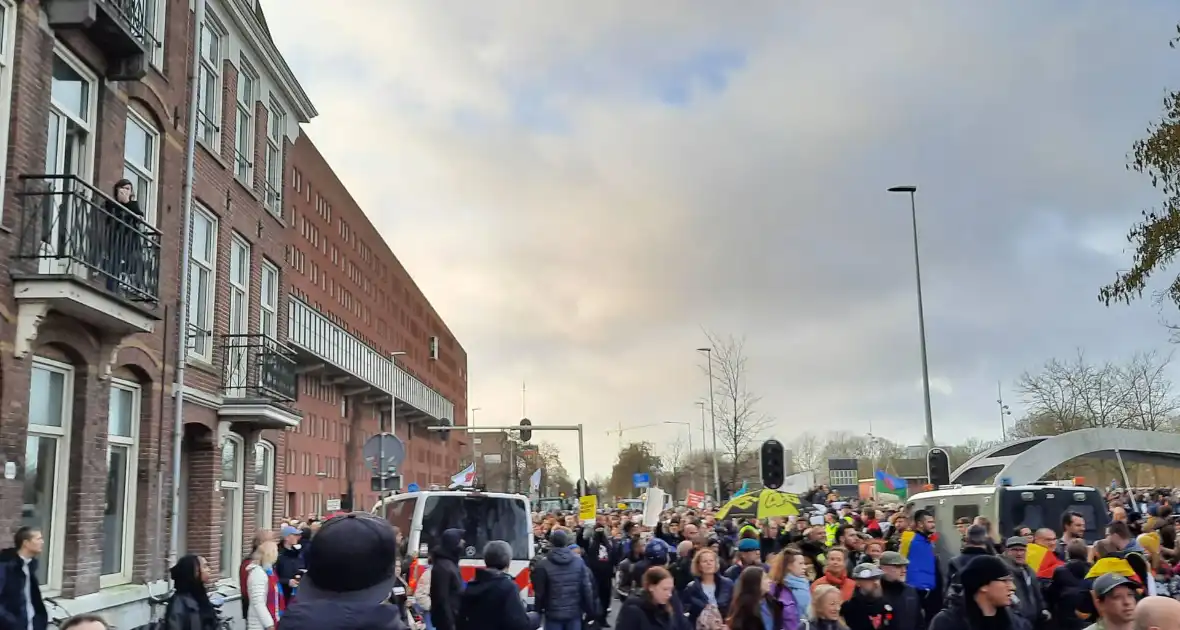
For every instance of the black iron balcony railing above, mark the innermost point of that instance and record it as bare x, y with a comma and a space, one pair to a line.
70, 229
258, 367
124, 30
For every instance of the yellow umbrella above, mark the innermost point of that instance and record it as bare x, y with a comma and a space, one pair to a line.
765, 503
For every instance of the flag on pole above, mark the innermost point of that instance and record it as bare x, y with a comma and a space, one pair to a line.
744, 489
535, 481
465, 477
888, 484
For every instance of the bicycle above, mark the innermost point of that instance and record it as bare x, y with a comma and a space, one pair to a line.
57, 613
224, 621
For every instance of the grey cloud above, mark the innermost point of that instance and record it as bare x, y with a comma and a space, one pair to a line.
586, 260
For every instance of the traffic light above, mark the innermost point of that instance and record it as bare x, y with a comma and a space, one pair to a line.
938, 467
771, 464
526, 434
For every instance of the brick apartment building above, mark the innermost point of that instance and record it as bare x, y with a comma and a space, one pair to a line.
94, 91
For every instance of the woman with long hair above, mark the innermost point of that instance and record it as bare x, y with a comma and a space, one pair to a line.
190, 608
262, 588
652, 608
753, 608
710, 593
825, 608
836, 574
789, 585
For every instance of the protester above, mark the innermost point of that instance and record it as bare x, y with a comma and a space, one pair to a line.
836, 574
901, 597
826, 603
753, 608
986, 597
1115, 597
189, 607
564, 589
652, 607
21, 606
710, 592
263, 589
789, 585
446, 582
491, 601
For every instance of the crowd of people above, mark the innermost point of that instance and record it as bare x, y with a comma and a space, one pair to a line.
855, 566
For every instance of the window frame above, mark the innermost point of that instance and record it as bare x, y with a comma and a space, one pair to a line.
244, 155
209, 123
135, 390
150, 172
91, 123
268, 305
267, 450
238, 279
202, 348
8, 19
234, 549
276, 123
61, 469
158, 10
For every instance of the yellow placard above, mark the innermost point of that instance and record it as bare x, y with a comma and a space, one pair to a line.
587, 507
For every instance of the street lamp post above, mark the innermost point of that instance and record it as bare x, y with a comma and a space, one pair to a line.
691, 476
1004, 411
912, 190
713, 414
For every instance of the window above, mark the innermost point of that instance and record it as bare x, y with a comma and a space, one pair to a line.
118, 522
209, 85
7, 44
47, 459
231, 504
842, 477
201, 284
244, 136
69, 147
140, 161
268, 312
264, 478
239, 317
154, 15
276, 124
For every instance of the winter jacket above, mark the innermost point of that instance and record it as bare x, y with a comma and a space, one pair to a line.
1030, 602
906, 604
866, 612
446, 583
790, 612
563, 587
954, 571
288, 565
184, 613
695, 600
734, 571
964, 614
846, 585
492, 602
265, 598
14, 613
637, 613
1066, 592
922, 571
331, 614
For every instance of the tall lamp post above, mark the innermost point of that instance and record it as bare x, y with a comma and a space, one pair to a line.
704, 442
1004, 411
713, 414
691, 476
912, 190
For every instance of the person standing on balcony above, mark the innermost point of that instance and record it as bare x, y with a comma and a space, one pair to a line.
119, 241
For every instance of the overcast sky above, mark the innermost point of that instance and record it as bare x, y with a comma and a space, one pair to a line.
580, 187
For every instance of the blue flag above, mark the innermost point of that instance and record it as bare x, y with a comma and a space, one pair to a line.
744, 489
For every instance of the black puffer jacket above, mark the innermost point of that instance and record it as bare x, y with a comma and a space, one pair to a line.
638, 613
965, 615
1065, 593
446, 583
954, 571
563, 587
340, 615
492, 602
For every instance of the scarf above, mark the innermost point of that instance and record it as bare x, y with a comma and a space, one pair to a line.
274, 597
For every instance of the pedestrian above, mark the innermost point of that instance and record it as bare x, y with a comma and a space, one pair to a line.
420, 602
21, 606
1068, 589
867, 608
1030, 602
789, 585
446, 582
289, 564
836, 574
263, 590
922, 572
1115, 598
710, 590
749, 555
986, 599
600, 557
753, 607
492, 601
826, 603
562, 586
350, 576
652, 607
903, 598
189, 607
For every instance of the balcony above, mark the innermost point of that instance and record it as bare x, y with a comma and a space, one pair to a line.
360, 369
121, 29
258, 381
81, 253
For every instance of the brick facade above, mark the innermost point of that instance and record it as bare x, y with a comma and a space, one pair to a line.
96, 351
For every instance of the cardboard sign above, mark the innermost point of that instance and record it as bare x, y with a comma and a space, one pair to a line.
695, 499
652, 507
587, 508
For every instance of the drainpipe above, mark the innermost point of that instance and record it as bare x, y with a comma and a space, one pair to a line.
190, 154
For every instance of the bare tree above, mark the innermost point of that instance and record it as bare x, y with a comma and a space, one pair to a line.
676, 466
807, 450
739, 423
1152, 404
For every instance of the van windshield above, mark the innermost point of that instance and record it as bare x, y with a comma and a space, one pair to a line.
482, 518
1044, 507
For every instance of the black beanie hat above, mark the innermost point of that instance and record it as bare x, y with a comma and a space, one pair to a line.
981, 571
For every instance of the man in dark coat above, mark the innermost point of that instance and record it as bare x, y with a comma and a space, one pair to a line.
976, 543
562, 587
289, 566
901, 597
492, 601
21, 607
600, 558
446, 583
